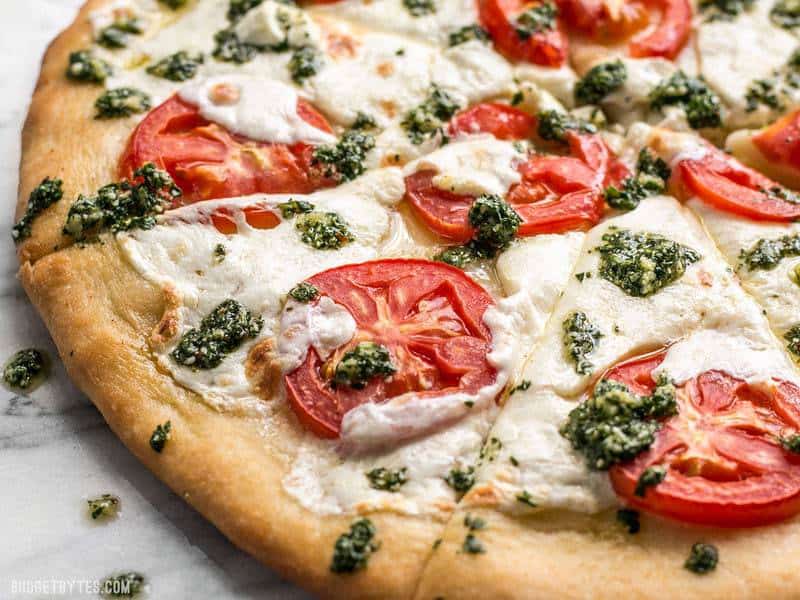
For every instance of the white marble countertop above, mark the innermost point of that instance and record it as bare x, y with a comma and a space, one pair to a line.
55, 449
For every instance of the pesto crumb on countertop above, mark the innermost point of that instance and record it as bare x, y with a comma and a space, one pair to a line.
22, 369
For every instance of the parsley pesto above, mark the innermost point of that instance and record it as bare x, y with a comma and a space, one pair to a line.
180, 66
220, 332
122, 206
174, 4
344, 160
701, 105
160, 436
117, 35
642, 263
600, 81
304, 292
785, 13
121, 102
630, 519
581, 338
420, 8
651, 178
43, 196
553, 125
471, 544
615, 425
103, 507
428, 119
538, 19
650, 477
229, 48
22, 369
461, 480
724, 10
305, 62
352, 550
362, 363
85, 67
792, 337
775, 92
292, 208
323, 230
123, 585
466, 34
765, 254
703, 558
387, 480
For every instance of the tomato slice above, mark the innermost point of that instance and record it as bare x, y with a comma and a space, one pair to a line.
548, 48
258, 217
207, 161
723, 182
500, 120
725, 465
780, 142
664, 39
555, 194
430, 317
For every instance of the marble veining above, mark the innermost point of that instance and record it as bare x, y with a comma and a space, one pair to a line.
55, 449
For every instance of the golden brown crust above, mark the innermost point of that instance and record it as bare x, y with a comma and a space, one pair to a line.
61, 138
228, 467
567, 556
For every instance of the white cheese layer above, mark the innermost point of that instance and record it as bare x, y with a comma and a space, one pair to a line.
472, 165
260, 109
259, 268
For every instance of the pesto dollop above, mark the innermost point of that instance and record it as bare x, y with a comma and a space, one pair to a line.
428, 119
180, 66
466, 34
305, 62
323, 230
614, 424
387, 480
703, 558
23, 367
229, 48
651, 178
362, 363
766, 254
538, 19
642, 263
122, 206
461, 480
292, 208
43, 196
630, 519
553, 125
121, 102
344, 160
420, 8
792, 337
701, 105
352, 550
304, 292
118, 33
220, 332
650, 477
581, 338
103, 507
160, 436
84, 66
471, 544
600, 81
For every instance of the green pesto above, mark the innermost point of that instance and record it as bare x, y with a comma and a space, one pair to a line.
461, 480
420, 8
495, 223
84, 66
344, 160
763, 91
365, 361
786, 13
583, 275
457, 256
524, 497
387, 480
23, 368
103, 507
792, 337
650, 477
703, 558
118, 33
539, 19
471, 544
490, 449
724, 10
642, 263
160, 436
292, 208
323, 230
122, 206
466, 34
220, 332
121, 102
600, 81
581, 338
525, 384
180, 66
352, 550
630, 519
304, 292
766, 254
364, 122
305, 62
229, 48
123, 585
651, 178
615, 425
43, 196
553, 125
428, 119
791, 443
220, 252
174, 4
701, 105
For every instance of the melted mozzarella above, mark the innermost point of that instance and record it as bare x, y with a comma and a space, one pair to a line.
260, 266
258, 108
559, 82
631, 102
472, 166
272, 24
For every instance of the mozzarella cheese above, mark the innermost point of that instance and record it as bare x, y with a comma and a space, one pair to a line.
273, 24
237, 102
473, 165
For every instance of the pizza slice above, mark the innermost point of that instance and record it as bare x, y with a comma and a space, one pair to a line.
653, 426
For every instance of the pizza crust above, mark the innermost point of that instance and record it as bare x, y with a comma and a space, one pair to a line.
100, 312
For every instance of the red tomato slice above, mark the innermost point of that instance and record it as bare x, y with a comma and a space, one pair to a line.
556, 194
780, 142
725, 465
207, 161
257, 217
723, 182
500, 120
548, 48
670, 35
430, 317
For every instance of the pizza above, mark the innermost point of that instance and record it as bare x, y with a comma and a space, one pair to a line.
438, 298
